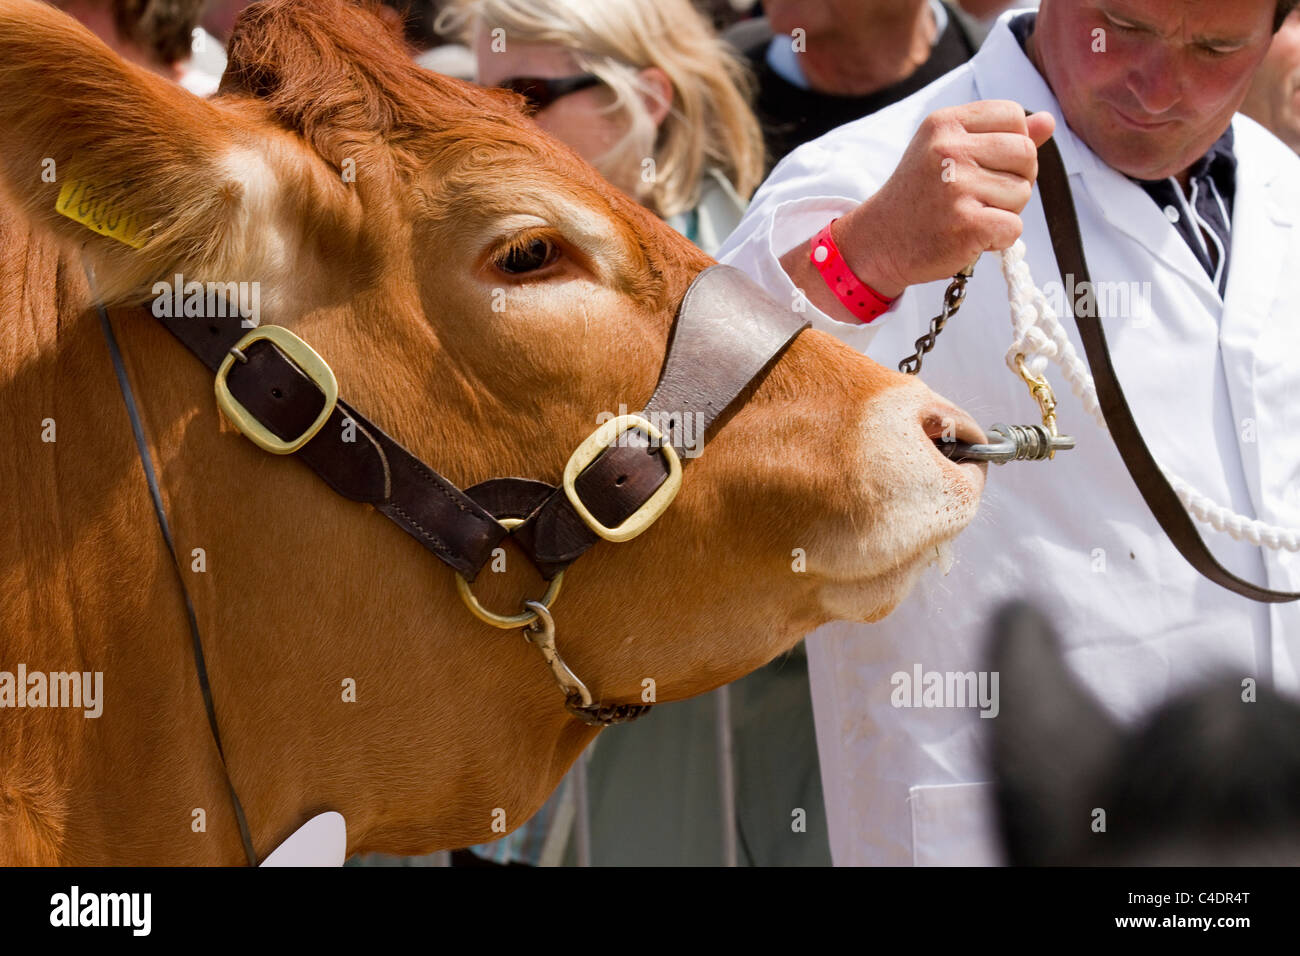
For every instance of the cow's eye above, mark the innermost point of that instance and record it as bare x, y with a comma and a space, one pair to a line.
528, 255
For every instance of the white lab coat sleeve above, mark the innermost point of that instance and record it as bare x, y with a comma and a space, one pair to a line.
803, 194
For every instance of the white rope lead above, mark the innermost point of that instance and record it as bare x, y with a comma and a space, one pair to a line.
1040, 338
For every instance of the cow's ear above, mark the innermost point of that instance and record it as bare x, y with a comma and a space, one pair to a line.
1052, 744
145, 177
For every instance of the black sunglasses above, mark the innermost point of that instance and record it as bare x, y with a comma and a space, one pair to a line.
541, 93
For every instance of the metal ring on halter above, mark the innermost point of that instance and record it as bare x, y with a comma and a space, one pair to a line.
545, 642
1009, 443
507, 621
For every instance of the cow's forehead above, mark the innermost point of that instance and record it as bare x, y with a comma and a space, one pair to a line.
487, 201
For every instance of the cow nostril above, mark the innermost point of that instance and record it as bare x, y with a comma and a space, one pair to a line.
945, 424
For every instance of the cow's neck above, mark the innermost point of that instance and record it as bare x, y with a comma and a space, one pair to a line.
86, 589
347, 673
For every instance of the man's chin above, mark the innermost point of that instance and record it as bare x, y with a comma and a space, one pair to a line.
1146, 165
1145, 156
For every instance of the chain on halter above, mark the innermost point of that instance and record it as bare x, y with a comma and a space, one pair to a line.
952, 300
1007, 442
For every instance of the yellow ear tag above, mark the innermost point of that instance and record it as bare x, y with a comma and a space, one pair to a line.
86, 203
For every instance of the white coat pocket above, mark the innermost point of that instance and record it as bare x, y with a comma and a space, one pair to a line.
953, 825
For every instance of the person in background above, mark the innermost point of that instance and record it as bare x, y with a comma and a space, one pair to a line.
823, 63
989, 9
723, 13
208, 55
644, 91
155, 34
979, 16
416, 20
1274, 97
219, 18
648, 93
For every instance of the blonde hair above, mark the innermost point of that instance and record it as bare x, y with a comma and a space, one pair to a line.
710, 124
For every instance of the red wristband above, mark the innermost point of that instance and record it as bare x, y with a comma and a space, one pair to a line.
863, 302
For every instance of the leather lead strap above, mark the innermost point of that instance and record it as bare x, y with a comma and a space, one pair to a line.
1168, 510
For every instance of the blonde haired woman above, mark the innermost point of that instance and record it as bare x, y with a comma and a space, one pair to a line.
644, 90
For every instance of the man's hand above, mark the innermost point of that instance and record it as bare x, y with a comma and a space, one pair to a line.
957, 192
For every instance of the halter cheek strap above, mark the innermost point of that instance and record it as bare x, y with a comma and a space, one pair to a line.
727, 333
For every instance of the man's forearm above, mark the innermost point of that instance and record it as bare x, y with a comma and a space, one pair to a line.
861, 259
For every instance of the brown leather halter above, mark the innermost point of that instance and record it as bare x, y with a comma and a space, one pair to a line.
282, 395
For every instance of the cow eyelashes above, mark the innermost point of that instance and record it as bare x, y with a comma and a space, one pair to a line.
525, 254
534, 255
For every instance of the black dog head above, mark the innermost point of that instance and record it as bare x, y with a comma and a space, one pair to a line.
1208, 778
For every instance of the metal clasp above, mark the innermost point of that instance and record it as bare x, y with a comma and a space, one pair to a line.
1041, 389
543, 637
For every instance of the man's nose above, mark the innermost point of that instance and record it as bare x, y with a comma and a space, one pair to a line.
1155, 82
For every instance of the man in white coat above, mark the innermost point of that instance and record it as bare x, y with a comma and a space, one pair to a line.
1190, 217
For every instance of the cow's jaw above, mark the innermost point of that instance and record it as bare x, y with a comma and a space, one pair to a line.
919, 501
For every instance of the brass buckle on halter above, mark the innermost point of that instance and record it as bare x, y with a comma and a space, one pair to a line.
602, 438
308, 362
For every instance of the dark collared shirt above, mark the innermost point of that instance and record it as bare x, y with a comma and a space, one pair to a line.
1203, 214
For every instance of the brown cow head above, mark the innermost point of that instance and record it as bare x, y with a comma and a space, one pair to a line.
483, 296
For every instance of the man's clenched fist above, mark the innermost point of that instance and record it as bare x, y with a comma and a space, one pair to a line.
957, 192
